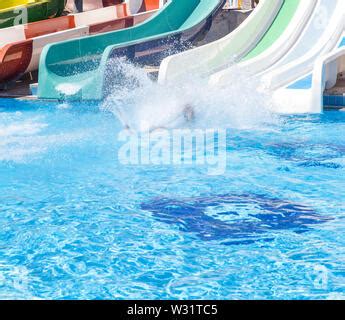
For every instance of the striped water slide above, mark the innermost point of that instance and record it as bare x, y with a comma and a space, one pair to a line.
283, 34
285, 68
86, 66
21, 46
299, 34
256, 35
322, 34
293, 83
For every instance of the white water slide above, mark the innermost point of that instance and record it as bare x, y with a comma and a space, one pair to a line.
312, 28
293, 79
216, 55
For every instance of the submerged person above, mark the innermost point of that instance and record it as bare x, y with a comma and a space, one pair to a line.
188, 113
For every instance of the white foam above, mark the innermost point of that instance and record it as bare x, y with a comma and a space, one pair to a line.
68, 89
145, 105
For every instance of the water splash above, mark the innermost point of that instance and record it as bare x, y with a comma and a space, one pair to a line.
143, 104
68, 89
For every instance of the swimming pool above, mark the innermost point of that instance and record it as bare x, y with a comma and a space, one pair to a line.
77, 224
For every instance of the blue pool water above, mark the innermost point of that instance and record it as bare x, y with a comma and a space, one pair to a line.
78, 224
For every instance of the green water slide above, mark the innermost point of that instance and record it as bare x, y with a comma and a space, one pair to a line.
14, 12
277, 28
77, 69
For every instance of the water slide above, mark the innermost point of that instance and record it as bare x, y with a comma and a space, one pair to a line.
14, 12
289, 78
21, 46
275, 49
328, 83
77, 69
300, 33
253, 36
294, 84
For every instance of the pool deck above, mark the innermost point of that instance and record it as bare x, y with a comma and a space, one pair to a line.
20, 89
